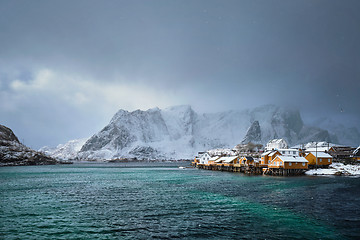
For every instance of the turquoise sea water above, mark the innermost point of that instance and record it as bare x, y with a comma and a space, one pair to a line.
145, 201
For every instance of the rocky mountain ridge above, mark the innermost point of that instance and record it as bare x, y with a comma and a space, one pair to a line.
179, 132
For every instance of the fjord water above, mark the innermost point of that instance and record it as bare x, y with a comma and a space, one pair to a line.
143, 201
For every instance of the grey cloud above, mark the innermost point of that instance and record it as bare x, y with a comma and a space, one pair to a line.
233, 54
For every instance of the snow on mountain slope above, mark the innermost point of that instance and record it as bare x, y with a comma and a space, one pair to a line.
68, 150
179, 132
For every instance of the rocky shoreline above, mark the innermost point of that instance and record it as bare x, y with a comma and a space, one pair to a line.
337, 169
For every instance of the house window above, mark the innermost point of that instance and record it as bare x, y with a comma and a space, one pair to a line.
320, 160
303, 164
281, 163
328, 160
289, 164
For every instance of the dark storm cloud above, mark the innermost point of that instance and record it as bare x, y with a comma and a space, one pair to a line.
215, 55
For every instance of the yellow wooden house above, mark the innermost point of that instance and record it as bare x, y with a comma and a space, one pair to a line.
319, 158
249, 161
268, 156
212, 160
230, 161
196, 161
288, 162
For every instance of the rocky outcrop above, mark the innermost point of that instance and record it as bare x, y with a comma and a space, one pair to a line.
253, 134
14, 153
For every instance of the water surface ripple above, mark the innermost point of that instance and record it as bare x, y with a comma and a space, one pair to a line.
99, 201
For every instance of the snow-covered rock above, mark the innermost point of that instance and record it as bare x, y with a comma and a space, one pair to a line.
13, 153
179, 132
336, 169
253, 134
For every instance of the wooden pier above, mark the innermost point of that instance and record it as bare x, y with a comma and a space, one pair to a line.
251, 170
231, 168
283, 172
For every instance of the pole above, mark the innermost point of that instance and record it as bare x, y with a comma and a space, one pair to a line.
316, 155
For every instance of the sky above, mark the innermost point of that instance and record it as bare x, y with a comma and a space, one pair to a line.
66, 67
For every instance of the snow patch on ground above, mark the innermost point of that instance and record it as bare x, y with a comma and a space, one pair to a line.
336, 169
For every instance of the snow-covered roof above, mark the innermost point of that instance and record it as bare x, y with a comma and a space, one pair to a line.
214, 158
272, 154
318, 149
205, 153
266, 153
314, 144
321, 154
292, 159
226, 159
230, 159
356, 151
220, 159
287, 149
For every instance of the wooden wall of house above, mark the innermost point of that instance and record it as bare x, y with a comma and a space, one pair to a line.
273, 156
296, 165
277, 163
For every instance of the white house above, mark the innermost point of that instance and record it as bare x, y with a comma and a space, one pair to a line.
204, 158
289, 152
276, 144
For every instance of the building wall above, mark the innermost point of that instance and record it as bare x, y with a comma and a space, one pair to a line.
296, 165
273, 156
211, 162
204, 158
277, 163
266, 159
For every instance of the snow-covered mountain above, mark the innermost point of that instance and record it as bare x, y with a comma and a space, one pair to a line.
66, 151
346, 135
179, 132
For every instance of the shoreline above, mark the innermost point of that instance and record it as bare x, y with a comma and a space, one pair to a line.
337, 169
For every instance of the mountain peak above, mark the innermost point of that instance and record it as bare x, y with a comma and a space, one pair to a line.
253, 134
7, 134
